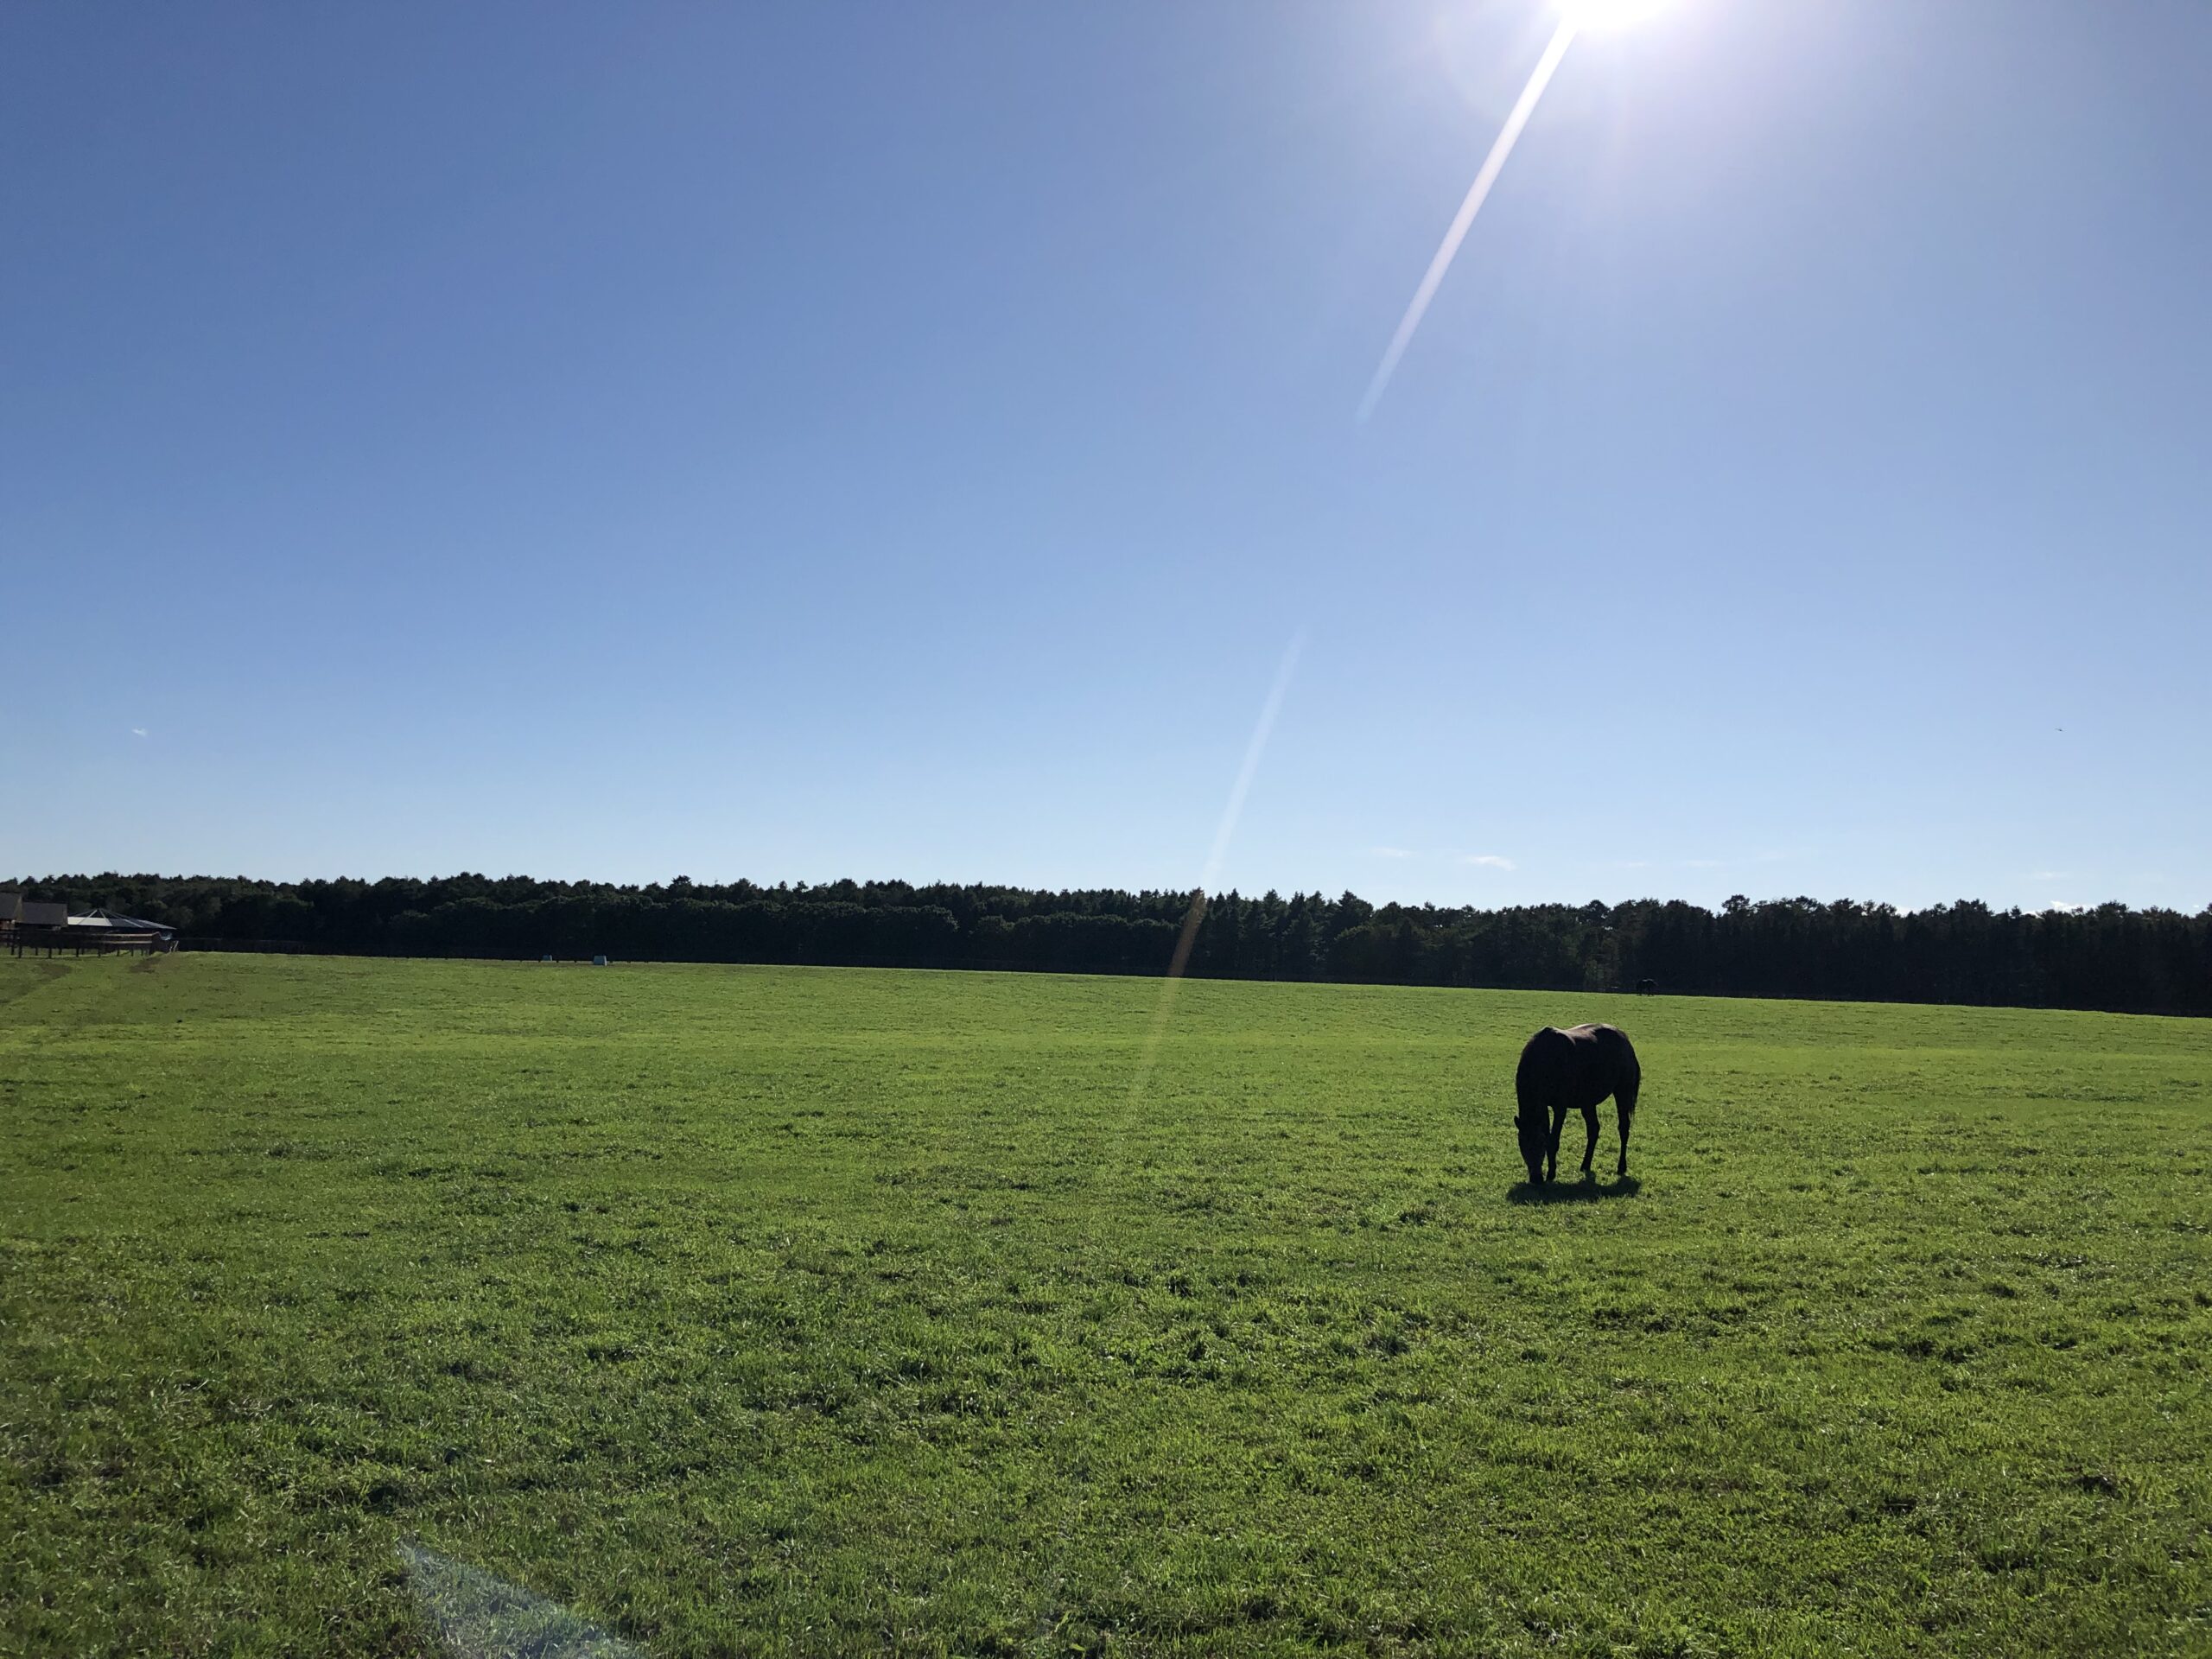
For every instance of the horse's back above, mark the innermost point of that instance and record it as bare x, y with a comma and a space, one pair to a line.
1578, 1066
1609, 1040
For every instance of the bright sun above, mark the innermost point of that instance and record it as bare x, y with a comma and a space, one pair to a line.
1575, 17
1597, 15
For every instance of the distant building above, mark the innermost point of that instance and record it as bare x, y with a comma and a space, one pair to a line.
117, 926
39, 926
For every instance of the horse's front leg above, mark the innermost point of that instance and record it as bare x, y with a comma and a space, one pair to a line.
1589, 1130
1551, 1162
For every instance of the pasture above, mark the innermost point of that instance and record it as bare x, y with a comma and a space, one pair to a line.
822, 1310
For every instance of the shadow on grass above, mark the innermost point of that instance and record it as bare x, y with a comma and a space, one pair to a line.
1587, 1190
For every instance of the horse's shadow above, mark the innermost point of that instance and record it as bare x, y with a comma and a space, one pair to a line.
1588, 1189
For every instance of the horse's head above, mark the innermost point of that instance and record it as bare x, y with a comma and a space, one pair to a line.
1535, 1142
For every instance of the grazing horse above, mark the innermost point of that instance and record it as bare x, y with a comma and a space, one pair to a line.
1571, 1071
1645, 987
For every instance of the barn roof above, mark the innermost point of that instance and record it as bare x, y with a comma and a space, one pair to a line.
108, 919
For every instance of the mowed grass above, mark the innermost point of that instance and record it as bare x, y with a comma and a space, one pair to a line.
753, 1310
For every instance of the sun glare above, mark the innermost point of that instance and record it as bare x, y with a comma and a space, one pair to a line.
1597, 16
1575, 17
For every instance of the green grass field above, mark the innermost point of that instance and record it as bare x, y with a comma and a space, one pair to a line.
819, 1311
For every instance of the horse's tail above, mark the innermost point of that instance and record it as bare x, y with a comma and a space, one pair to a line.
1628, 1073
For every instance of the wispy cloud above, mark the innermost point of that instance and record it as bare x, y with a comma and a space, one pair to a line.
1488, 860
2046, 875
137, 731
1389, 852
1701, 863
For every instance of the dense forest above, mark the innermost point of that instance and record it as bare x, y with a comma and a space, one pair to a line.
2109, 957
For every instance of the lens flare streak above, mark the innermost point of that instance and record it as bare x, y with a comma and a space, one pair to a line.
1477, 194
1232, 811
1115, 1133
476, 1615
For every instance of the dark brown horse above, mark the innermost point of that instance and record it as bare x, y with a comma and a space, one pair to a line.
1571, 1071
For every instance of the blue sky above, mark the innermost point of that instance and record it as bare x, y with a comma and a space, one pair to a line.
803, 442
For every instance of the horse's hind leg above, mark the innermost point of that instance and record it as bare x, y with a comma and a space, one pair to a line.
1590, 1129
1624, 1099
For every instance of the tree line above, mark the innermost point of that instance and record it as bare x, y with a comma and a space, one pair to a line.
2112, 958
